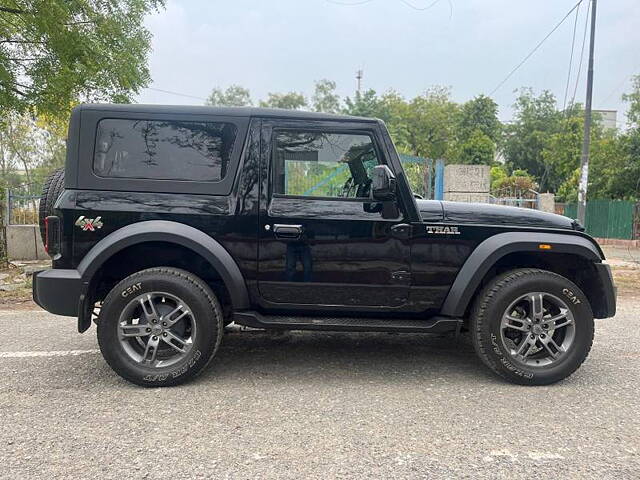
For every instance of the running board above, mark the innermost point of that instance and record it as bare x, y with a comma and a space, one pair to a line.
436, 324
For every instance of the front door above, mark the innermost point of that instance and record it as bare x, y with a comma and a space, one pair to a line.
323, 242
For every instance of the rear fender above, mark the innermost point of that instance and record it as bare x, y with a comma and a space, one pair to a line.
170, 232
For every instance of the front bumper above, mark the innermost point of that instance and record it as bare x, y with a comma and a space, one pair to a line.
58, 291
608, 306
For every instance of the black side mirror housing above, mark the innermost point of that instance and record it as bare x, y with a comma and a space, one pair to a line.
383, 184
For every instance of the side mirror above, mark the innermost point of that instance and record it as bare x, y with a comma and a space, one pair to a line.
383, 184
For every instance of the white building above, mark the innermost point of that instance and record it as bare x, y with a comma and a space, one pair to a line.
609, 118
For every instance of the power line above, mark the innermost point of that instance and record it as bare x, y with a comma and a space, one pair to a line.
175, 93
406, 2
584, 42
535, 49
348, 4
573, 43
420, 9
624, 80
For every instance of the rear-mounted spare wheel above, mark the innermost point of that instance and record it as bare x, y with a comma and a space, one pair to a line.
52, 189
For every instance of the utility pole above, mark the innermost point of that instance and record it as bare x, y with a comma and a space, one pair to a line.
359, 79
584, 160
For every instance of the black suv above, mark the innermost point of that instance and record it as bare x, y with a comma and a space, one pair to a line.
169, 223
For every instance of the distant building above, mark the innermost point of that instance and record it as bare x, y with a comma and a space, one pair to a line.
609, 118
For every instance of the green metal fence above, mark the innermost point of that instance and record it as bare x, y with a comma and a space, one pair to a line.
607, 218
419, 173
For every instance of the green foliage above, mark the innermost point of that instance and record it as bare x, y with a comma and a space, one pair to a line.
633, 114
477, 149
477, 131
416, 172
394, 110
325, 99
289, 101
57, 52
518, 183
562, 149
498, 173
29, 150
536, 119
365, 104
233, 96
423, 126
431, 123
479, 114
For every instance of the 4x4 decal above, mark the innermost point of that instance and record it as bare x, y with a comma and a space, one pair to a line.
89, 224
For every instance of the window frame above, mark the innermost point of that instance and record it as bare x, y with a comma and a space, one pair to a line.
90, 180
310, 129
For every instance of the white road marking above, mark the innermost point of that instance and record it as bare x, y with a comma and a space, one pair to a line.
54, 353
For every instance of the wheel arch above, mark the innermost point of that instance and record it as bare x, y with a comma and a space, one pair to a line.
163, 231
489, 253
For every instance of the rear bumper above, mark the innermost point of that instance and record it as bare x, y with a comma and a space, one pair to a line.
58, 291
609, 300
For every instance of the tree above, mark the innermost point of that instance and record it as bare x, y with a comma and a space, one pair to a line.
289, 101
431, 123
633, 114
34, 147
423, 126
517, 183
477, 149
498, 174
233, 96
478, 114
56, 52
325, 98
365, 104
394, 110
536, 119
562, 150
477, 131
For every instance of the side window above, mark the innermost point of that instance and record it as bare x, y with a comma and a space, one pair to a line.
323, 164
163, 150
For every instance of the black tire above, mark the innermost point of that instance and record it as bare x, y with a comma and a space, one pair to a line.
201, 301
52, 189
496, 298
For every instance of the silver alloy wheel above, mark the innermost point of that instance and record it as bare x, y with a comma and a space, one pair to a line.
537, 329
156, 329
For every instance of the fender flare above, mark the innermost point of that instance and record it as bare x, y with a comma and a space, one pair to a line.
170, 232
488, 252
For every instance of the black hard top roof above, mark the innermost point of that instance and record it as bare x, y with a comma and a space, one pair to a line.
221, 111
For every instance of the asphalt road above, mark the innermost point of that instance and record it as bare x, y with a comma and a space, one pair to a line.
315, 405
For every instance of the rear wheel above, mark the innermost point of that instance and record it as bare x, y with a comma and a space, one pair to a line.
532, 327
160, 327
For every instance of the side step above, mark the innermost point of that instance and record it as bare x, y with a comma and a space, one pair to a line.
348, 324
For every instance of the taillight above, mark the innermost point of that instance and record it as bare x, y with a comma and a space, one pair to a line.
52, 235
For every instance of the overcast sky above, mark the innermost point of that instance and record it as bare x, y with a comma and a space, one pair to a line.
469, 45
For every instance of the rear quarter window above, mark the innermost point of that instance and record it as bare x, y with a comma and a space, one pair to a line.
163, 149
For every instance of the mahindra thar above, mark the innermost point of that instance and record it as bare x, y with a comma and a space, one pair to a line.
168, 223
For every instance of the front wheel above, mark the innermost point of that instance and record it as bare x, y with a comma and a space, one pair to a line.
159, 327
532, 327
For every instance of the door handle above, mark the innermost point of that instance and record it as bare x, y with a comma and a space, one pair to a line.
401, 230
287, 231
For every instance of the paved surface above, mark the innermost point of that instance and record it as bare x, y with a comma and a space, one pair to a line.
311, 405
